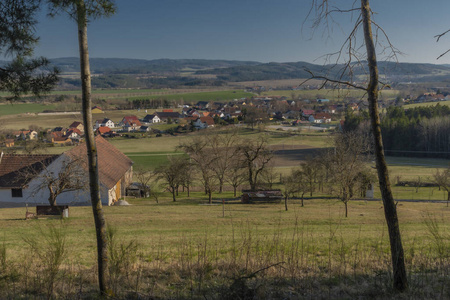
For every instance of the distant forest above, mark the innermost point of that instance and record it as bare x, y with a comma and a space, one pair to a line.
170, 73
416, 132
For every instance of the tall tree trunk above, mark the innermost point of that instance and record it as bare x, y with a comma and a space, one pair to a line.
99, 218
285, 202
390, 210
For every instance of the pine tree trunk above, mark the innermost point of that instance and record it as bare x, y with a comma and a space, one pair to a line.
390, 210
99, 219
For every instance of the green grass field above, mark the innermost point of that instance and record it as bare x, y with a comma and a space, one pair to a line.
427, 104
22, 108
331, 94
218, 96
188, 249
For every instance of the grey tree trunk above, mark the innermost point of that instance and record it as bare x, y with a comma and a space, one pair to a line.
99, 219
398, 260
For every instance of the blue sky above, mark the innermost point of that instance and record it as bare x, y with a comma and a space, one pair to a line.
258, 30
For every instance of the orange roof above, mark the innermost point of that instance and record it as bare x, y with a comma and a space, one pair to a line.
207, 120
103, 129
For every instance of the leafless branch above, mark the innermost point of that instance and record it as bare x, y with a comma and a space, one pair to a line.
443, 54
326, 79
438, 37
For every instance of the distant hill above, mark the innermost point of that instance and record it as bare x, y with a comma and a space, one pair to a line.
173, 73
142, 66
270, 71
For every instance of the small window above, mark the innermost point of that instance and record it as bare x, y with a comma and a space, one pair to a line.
16, 193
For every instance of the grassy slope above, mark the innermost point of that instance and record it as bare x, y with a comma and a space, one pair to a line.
167, 223
427, 104
19, 108
330, 94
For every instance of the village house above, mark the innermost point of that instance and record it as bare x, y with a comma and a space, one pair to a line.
165, 116
130, 123
96, 110
204, 122
26, 134
104, 123
77, 125
320, 118
22, 174
104, 131
152, 119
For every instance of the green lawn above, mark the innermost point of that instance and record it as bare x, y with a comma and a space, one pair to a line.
331, 94
23, 108
427, 104
202, 96
186, 244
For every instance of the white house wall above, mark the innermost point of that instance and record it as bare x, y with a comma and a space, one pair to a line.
32, 195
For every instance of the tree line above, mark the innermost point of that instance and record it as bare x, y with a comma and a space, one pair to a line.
417, 132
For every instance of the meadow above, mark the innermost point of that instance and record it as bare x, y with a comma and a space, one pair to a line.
427, 104
332, 94
22, 108
187, 249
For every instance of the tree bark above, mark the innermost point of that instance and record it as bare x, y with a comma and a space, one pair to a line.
346, 208
398, 261
99, 218
174, 195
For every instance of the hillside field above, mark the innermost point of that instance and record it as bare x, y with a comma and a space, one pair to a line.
188, 249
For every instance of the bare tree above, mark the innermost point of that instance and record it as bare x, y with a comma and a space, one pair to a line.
351, 47
291, 187
172, 174
255, 156
204, 159
442, 179
346, 162
70, 177
268, 177
254, 115
309, 171
147, 182
223, 148
235, 175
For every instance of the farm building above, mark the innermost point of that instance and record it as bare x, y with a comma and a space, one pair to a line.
22, 175
273, 196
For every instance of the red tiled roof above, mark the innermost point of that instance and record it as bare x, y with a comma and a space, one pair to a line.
131, 120
207, 120
74, 130
112, 164
322, 116
103, 129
